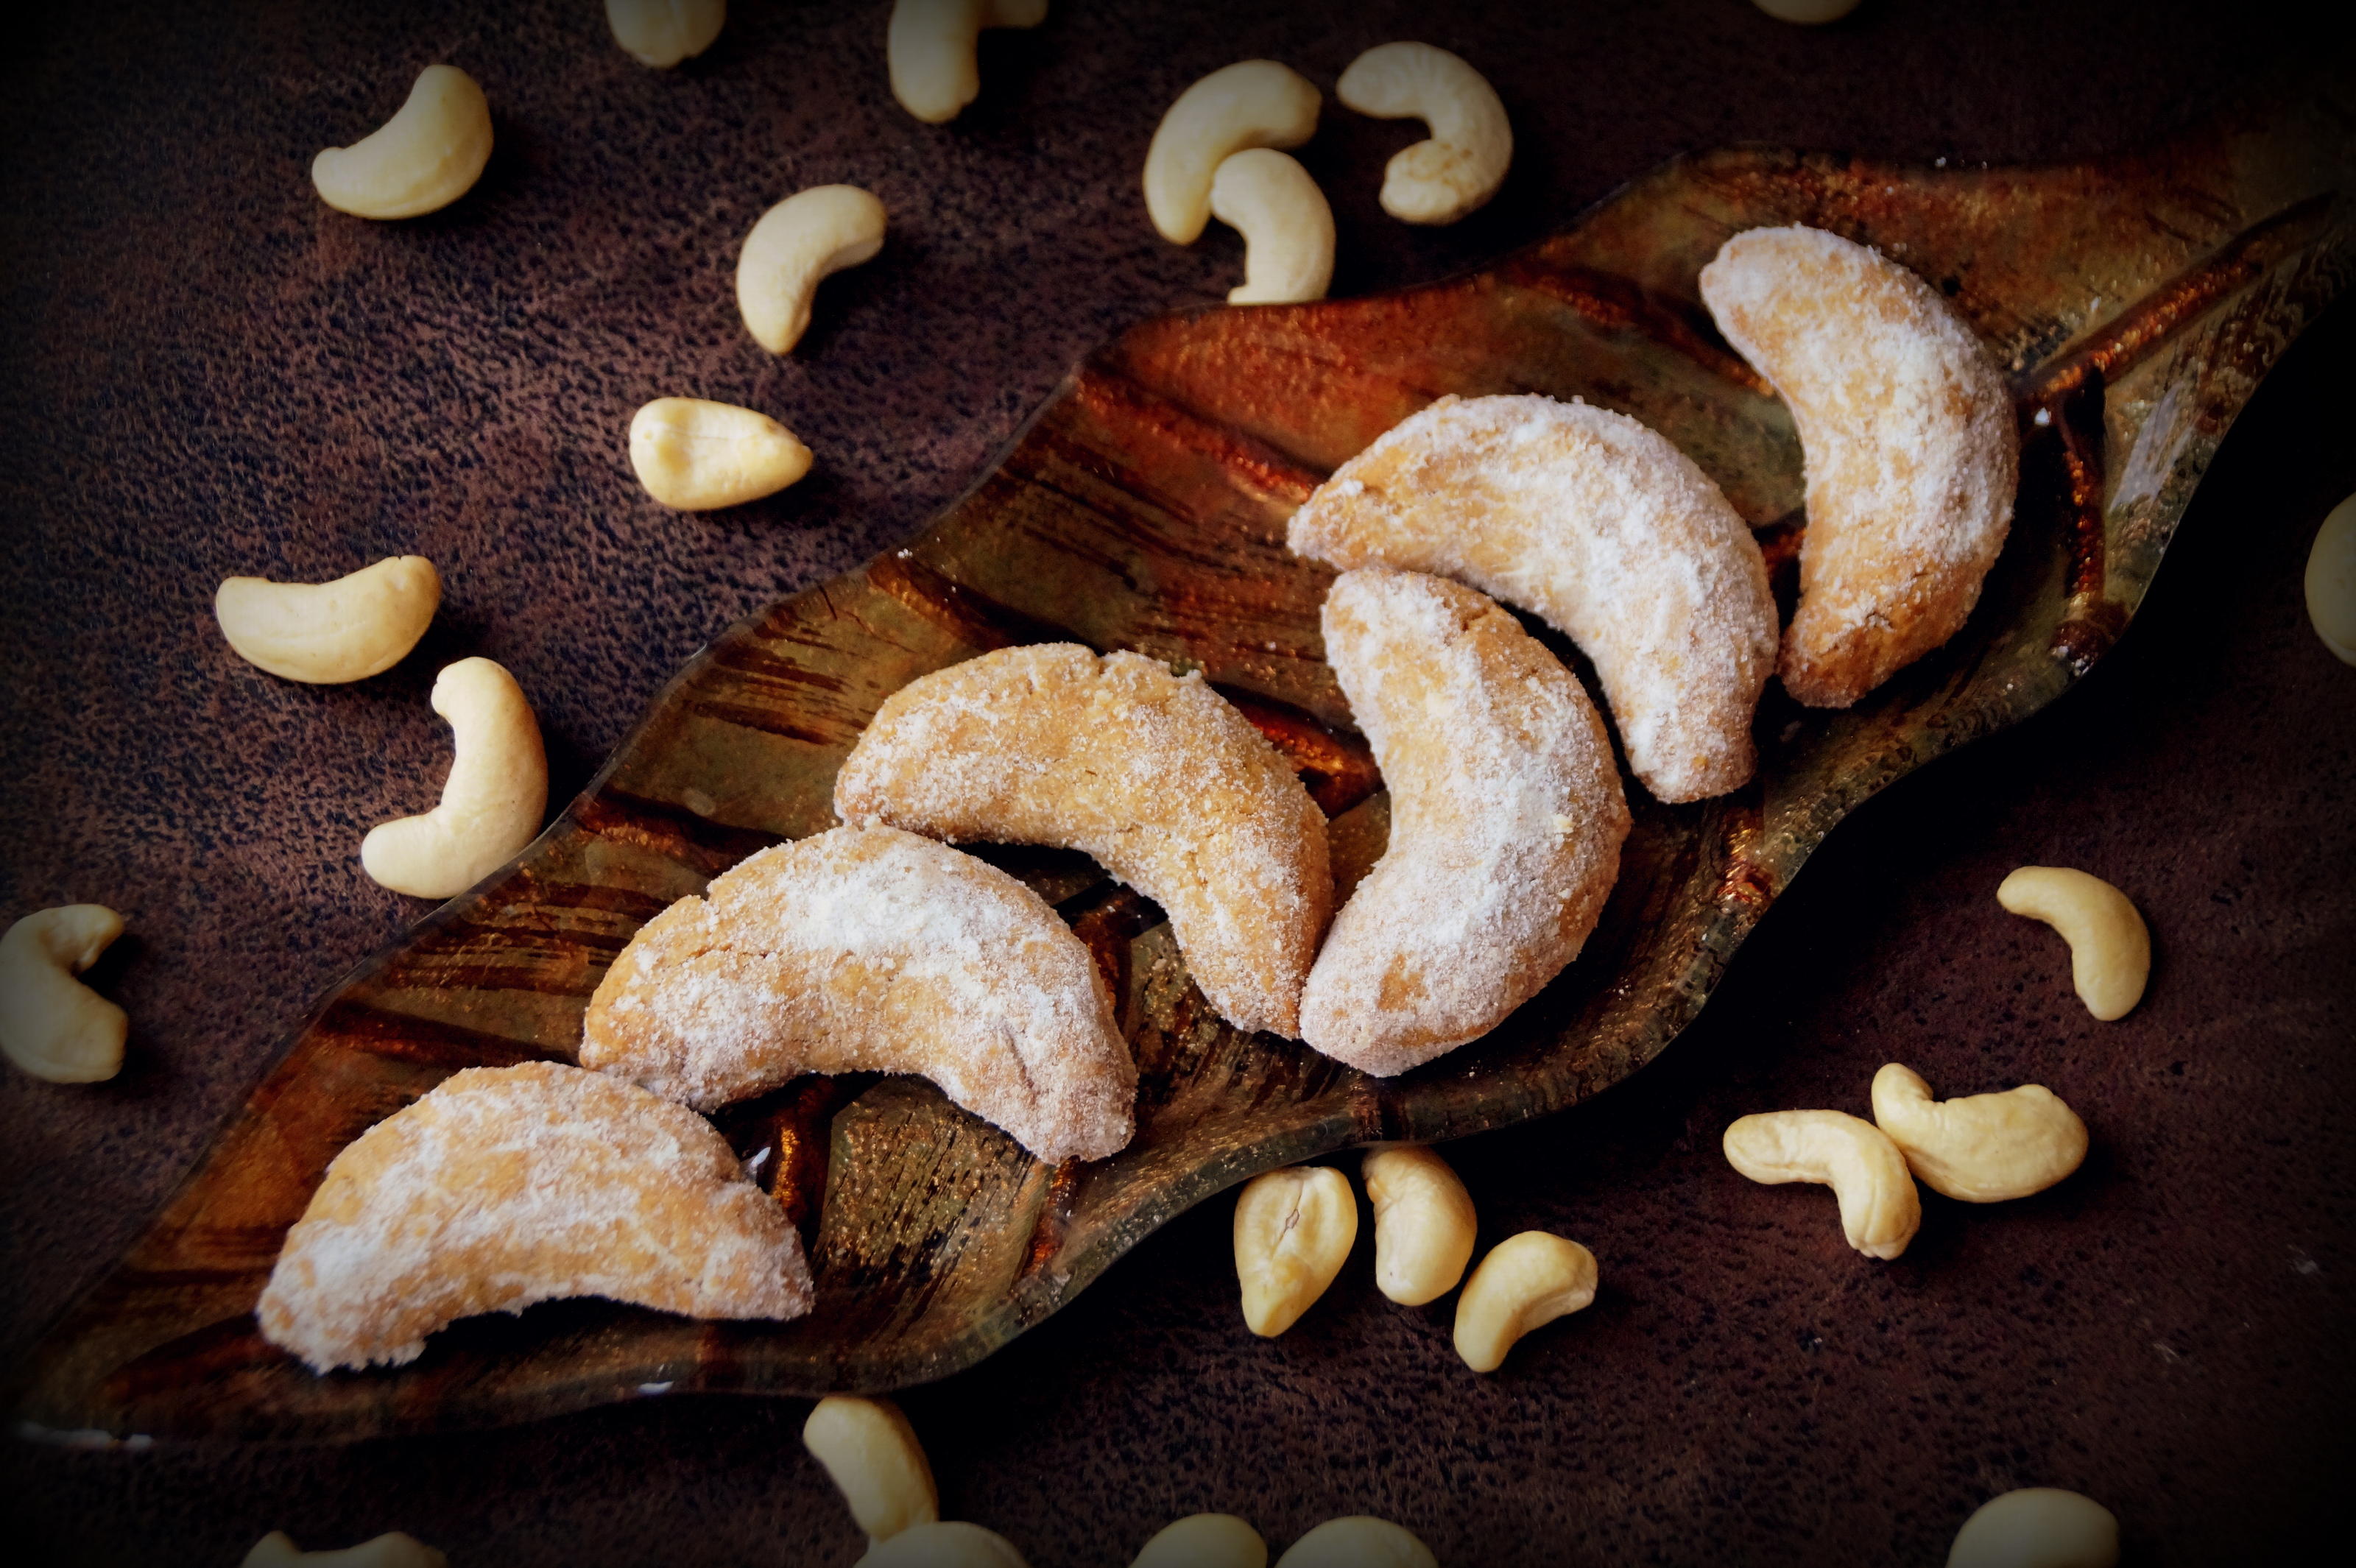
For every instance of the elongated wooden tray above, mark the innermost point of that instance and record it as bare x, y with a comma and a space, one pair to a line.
2137, 303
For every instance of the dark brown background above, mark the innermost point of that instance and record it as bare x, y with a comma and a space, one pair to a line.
205, 371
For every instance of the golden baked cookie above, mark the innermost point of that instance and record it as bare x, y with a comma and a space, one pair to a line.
1912, 455
1594, 522
1168, 786
868, 949
507, 1186
1507, 822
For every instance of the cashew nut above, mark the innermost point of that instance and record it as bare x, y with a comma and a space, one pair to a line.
1204, 1541
1807, 13
797, 242
1287, 229
871, 1454
1360, 1541
943, 1545
2332, 581
1459, 168
1424, 1223
1879, 1209
1252, 103
1982, 1148
52, 1025
425, 157
2110, 950
395, 1550
1526, 1282
694, 455
931, 50
356, 626
2037, 1527
661, 33
1295, 1229
492, 803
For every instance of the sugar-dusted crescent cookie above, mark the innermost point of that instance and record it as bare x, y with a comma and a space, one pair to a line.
510, 1185
868, 949
1506, 821
1156, 775
1595, 522
1913, 456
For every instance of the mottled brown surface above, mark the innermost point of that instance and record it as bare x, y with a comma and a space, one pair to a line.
207, 372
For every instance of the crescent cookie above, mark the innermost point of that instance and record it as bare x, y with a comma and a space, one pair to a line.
1168, 786
1507, 822
507, 1186
1594, 522
1912, 455
868, 949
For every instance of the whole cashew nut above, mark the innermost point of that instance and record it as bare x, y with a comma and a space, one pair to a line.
325, 632
395, 1550
1204, 1541
2332, 581
2110, 948
661, 33
425, 157
1424, 1223
52, 1025
2037, 1527
800, 240
491, 804
1295, 1229
1359, 1540
1287, 227
1981, 1148
871, 1454
695, 456
1807, 13
1879, 1209
931, 51
943, 1545
1526, 1282
1252, 103
1459, 168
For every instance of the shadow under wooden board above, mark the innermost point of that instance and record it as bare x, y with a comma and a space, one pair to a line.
2137, 302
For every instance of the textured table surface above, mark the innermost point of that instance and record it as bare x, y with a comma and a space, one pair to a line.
205, 372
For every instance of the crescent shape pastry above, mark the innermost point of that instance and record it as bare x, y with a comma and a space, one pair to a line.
510, 1185
868, 949
1168, 786
1507, 822
1912, 455
1594, 522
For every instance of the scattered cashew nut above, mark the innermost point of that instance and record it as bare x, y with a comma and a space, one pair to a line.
1204, 1541
695, 456
1807, 13
1287, 227
1472, 145
2332, 581
1424, 1224
872, 1456
360, 624
1981, 1148
492, 804
1879, 1209
931, 50
1295, 1229
1526, 1282
2037, 1527
425, 157
661, 33
394, 1551
1252, 103
943, 1545
795, 243
52, 1025
2110, 949
1360, 1541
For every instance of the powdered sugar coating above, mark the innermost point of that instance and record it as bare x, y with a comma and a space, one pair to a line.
1912, 454
507, 1186
1593, 521
1156, 775
868, 949
1507, 822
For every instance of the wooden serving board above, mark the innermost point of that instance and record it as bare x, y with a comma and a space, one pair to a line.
2137, 302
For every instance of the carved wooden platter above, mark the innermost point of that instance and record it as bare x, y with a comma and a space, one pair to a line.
2137, 302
